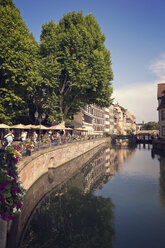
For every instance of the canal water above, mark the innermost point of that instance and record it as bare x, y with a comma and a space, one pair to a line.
116, 200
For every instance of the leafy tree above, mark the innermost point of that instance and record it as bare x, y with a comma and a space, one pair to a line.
18, 65
76, 66
72, 220
151, 126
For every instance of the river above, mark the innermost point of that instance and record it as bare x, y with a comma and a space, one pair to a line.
116, 200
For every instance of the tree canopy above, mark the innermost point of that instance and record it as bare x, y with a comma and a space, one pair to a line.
151, 125
18, 65
76, 66
70, 68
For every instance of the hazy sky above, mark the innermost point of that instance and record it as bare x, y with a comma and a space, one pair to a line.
135, 36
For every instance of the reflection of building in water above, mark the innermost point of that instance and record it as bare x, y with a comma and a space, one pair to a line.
162, 180
94, 173
123, 155
110, 161
104, 166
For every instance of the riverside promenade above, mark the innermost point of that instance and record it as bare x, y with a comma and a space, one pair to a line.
31, 168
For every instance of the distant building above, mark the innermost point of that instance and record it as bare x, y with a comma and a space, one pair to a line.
91, 118
112, 120
124, 121
130, 122
161, 109
140, 126
109, 119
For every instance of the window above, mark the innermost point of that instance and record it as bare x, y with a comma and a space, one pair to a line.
163, 114
163, 130
87, 118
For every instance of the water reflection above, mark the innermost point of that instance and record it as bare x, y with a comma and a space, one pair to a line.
55, 215
72, 220
160, 156
162, 180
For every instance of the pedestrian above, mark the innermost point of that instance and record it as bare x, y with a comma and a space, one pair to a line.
34, 137
8, 139
59, 138
23, 136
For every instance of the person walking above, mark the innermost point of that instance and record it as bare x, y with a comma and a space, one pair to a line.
9, 139
34, 137
23, 137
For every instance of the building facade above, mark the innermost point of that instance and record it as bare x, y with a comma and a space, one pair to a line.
112, 120
161, 109
90, 118
109, 119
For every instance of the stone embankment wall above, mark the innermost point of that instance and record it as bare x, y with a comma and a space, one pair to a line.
159, 145
33, 167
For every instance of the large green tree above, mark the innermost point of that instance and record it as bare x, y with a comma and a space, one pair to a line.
76, 66
18, 66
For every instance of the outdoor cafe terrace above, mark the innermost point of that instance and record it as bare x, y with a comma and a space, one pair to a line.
47, 136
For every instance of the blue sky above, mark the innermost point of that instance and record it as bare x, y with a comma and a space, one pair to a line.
135, 36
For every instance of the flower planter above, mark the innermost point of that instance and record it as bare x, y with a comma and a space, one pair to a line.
28, 152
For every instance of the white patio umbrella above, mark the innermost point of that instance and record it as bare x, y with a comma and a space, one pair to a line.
42, 127
2, 125
30, 126
18, 126
68, 128
58, 127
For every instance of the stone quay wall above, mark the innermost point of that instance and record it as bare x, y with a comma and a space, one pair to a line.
33, 167
159, 145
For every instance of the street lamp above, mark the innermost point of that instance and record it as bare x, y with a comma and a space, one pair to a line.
40, 118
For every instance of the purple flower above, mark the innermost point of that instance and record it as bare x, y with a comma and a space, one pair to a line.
6, 182
19, 204
4, 186
11, 217
2, 199
15, 189
11, 174
4, 216
14, 182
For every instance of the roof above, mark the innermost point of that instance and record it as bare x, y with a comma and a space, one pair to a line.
161, 87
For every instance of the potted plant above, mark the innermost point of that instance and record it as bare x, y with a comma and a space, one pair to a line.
13, 155
45, 139
29, 146
11, 194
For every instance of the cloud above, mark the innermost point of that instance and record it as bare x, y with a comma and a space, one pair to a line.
158, 67
140, 100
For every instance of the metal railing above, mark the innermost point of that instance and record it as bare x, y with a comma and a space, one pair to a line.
53, 143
